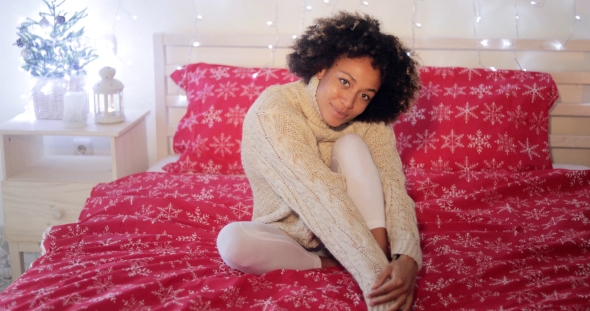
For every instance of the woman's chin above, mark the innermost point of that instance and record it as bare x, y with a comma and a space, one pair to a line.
335, 123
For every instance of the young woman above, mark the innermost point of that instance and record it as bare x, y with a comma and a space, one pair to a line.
320, 156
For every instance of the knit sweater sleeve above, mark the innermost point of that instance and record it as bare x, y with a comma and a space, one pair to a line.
286, 154
400, 211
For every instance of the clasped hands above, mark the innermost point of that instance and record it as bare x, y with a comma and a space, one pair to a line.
395, 283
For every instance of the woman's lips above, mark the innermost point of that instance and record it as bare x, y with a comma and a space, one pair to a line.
339, 114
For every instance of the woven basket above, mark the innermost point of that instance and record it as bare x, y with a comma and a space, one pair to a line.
48, 95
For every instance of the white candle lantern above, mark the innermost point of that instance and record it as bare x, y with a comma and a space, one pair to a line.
108, 97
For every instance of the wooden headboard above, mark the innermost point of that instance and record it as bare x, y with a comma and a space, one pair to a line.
569, 65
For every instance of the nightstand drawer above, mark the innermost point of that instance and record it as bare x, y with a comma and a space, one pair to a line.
32, 207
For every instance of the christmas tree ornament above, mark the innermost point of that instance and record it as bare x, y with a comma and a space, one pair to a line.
53, 48
25, 53
44, 23
108, 97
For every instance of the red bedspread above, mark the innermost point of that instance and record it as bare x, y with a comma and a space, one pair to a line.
491, 241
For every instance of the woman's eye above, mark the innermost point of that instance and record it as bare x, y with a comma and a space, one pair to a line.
366, 97
344, 82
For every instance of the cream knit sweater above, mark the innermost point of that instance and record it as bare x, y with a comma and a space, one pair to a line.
286, 148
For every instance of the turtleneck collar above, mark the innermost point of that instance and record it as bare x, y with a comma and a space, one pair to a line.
310, 107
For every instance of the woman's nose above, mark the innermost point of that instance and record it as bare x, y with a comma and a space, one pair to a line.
348, 100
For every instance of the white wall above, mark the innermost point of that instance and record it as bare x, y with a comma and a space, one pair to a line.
439, 18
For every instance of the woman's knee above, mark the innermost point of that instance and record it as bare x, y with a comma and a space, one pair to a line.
234, 246
347, 143
350, 150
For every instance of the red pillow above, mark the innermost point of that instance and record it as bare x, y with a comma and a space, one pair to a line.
209, 135
478, 120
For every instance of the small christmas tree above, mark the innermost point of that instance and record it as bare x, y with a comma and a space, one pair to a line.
50, 47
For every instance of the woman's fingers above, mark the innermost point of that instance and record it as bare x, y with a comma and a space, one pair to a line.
383, 275
389, 292
398, 299
389, 285
384, 289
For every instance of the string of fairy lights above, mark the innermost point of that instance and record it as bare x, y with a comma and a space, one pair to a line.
123, 12
307, 6
506, 43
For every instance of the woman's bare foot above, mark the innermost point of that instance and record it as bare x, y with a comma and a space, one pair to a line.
328, 262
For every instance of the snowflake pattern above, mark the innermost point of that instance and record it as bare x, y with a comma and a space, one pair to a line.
452, 141
429, 90
479, 141
455, 91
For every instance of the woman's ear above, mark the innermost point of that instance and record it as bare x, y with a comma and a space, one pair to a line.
321, 74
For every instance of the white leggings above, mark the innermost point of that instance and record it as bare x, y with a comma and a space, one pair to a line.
254, 247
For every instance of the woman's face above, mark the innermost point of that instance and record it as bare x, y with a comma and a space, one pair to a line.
346, 89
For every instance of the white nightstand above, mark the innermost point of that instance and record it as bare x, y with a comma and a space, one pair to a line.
43, 188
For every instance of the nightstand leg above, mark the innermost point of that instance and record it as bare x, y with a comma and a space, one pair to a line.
17, 260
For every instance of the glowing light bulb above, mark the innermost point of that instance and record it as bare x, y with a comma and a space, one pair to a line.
270, 46
179, 67
269, 23
484, 42
196, 44
294, 37
199, 17
478, 19
506, 43
418, 25
558, 46
118, 17
308, 7
134, 17
327, 1
493, 68
365, 2
578, 17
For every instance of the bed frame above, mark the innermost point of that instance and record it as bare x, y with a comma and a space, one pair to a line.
569, 127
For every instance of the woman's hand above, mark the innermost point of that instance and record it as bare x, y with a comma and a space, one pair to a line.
395, 283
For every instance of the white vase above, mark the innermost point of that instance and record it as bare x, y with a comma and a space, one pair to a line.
75, 109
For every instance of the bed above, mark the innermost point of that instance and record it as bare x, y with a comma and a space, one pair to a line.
503, 227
